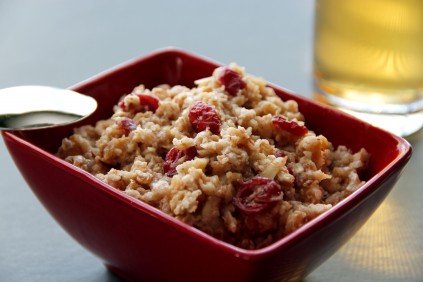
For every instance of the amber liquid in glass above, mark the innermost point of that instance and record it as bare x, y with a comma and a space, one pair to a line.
368, 55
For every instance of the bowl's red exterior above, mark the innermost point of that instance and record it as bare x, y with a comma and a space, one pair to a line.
139, 242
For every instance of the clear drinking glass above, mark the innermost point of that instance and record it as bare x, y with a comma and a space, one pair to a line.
368, 60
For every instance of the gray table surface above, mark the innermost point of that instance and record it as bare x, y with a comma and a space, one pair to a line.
59, 43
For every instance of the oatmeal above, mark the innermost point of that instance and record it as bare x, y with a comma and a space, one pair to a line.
228, 157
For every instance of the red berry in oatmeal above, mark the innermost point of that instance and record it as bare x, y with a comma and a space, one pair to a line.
290, 126
258, 195
148, 102
203, 116
231, 80
143, 103
127, 125
175, 157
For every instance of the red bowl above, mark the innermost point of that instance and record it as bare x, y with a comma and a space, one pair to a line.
139, 242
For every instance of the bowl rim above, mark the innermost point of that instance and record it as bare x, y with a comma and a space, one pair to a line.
404, 152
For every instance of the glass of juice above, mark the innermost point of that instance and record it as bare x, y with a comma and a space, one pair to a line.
368, 60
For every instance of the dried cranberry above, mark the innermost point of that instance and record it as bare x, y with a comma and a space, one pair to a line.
280, 154
127, 125
122, 105
203, 116
231, 80
290, 126
148, 103
257, 195
176, 157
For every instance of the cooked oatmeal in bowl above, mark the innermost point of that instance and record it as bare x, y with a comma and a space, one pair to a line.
227, 156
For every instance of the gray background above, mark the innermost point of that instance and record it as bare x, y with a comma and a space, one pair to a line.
60, 43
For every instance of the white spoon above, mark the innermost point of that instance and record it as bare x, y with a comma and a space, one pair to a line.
35, 107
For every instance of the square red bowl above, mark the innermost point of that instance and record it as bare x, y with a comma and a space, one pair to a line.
139, 242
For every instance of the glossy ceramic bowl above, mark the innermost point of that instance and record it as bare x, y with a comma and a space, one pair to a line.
139, 242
